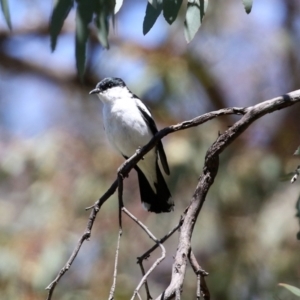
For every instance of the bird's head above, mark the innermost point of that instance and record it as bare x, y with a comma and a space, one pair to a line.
110, 88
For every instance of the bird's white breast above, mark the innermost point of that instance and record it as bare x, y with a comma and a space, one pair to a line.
127, 130
125, 126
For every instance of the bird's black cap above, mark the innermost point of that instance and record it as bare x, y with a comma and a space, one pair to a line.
108, 83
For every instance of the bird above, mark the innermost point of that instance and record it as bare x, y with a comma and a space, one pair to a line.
129, 125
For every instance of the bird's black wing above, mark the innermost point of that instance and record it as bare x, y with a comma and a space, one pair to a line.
149, 120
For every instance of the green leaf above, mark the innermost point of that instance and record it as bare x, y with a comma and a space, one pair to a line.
105, 9
5, 10
291, 288
194, 15
59, 14
151, 16
102, 29
118, 5
171, 9
248, 5
297, 152
84, 14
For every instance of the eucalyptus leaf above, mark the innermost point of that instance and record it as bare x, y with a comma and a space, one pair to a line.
171, 9
5, 10
59, 14
105, 9
291, 288
118, 5
84, 14
194, 15
108, 8
102, 29
248, 5
151, 15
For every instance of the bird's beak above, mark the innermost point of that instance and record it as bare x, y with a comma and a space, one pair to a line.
94, 91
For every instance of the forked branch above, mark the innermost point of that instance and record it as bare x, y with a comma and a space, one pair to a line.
207, 177
210, 169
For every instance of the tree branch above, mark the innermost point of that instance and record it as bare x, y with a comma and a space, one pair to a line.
157, 262
207, 177
202, 288
210, 169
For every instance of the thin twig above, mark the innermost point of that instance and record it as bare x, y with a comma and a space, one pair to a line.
105, 196
146, 283
161, 241
202, 288
198, 292
86, 235
195, 265
139, 296
157, 262
113, 287
67, 266
120, 198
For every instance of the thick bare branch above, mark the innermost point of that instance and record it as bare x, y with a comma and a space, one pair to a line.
207, 177
210, 169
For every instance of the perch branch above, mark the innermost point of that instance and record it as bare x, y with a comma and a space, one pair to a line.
250, 114
207, 177
124, 171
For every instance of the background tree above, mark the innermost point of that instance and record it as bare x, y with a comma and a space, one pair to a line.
55, 160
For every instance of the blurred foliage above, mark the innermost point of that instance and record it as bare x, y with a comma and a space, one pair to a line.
103, 10
248, 5
55, 161
6, 14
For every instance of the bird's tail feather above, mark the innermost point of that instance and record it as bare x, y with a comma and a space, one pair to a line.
159, 201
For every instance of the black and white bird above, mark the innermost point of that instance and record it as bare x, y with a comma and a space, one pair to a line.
129, 125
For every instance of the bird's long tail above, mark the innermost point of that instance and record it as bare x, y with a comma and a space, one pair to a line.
155, 201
